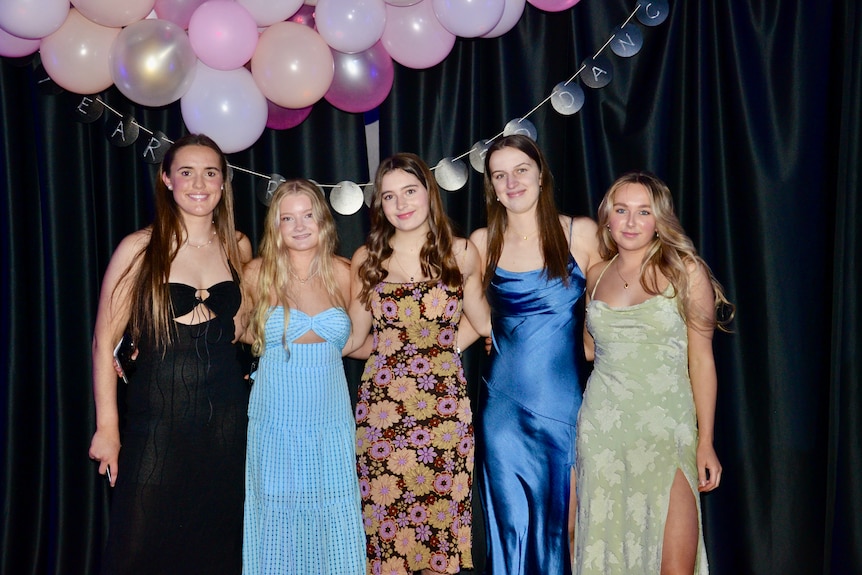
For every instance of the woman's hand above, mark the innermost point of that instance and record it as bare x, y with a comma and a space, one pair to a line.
708, 467
105, 448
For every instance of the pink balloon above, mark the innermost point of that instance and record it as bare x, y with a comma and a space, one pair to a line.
268, 12
350, 25
114, 13
223, 34
414, 37
15, 47
362, 81
279, 118
32, 19
226, 105
553, 5
468, 18
304, 16
512, 12
292, 65
177, 11
77, 55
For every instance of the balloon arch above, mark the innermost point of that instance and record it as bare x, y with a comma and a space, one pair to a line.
245, 65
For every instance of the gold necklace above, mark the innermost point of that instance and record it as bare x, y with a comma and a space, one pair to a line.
406, 273
199, 246
625, 283
522, 236
299, 279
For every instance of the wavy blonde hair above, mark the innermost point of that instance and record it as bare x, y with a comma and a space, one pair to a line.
436, 257
671, 251
276, 266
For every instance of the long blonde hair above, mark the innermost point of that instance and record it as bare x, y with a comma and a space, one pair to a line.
276, 266
671, 251
151, 313
437, 259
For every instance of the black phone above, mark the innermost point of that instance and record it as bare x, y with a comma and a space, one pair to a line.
123, 354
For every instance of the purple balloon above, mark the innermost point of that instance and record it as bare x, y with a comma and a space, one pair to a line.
177, 11
553, 5
362, 80
279, 118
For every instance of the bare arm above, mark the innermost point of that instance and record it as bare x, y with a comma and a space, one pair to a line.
475, 306
250, 273
704, 382
111, 320
589, 343
360, 316
584, 243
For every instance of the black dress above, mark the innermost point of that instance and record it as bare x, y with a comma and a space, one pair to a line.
177, 506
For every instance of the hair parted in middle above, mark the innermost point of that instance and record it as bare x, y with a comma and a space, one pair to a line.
437, 260
273, 282
552, 239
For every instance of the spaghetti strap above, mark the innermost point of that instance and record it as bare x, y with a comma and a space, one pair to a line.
571, 227
593, 293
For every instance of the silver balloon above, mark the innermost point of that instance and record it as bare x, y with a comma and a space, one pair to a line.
567, 98
368, 194
520, 126
477, 155
152, 62
346, 198
451, 174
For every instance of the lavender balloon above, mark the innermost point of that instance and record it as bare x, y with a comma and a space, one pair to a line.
362, 80
177, 11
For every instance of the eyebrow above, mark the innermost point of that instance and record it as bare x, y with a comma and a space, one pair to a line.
217, 169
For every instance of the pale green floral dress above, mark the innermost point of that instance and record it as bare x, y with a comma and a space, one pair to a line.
636, 427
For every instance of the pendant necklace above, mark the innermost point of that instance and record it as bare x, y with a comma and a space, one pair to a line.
408, 274
199, 246
625, 283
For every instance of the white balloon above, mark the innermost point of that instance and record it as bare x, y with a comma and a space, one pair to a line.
268, 12
226, 105
350, 26
512, 12
33, 18
468, 18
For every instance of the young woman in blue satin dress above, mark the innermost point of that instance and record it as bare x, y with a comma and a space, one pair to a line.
528, 402
302, 510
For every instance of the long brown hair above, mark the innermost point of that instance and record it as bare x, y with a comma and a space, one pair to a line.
276, 267
151, 297
436, 257
670, 252
552, 239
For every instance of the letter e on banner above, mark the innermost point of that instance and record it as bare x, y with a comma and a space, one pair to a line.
89, 109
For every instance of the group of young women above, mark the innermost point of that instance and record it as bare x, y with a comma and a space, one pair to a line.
387, 489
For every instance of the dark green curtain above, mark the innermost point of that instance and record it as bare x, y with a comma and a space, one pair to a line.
749, 109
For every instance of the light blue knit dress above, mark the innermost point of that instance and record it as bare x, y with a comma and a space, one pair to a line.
302, 504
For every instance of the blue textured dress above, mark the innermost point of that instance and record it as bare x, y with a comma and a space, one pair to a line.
527, 412
302, 510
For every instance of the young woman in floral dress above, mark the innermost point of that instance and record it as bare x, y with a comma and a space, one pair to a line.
411, 281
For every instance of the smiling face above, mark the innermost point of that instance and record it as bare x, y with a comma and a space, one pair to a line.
404, 201
516, 179
297, 225
195, 179
631, 219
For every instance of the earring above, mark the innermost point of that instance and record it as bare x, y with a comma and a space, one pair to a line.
170, 188
608, 226
656, 234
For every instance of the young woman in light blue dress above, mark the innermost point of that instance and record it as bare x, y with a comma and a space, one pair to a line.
302, 504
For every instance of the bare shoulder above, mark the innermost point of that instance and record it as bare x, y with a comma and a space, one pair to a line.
480, 240
583, 226
341, 265
359, 256
131, 246
251, 270
245, 250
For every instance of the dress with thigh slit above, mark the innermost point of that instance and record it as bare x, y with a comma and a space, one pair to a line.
527, 410
637, 426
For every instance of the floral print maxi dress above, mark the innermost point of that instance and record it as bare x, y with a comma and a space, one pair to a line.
415, 433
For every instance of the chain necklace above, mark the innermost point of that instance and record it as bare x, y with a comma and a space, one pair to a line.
199, 246
625, 283
299, 279
408, 274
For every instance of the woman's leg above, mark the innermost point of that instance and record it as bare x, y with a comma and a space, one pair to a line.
679, 549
